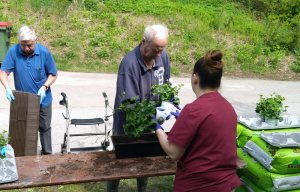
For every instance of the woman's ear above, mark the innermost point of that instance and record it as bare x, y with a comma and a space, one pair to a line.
195, 79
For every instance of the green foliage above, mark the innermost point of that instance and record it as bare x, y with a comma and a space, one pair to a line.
103, 53
98, 41
272, 107
138, 116
295, 66
91, 5
60, 43
252, 41
2, 17
3, 142
166, 92
174, 71
71, 55
112, 21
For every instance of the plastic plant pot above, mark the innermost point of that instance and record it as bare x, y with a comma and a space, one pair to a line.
272, 122
161, 115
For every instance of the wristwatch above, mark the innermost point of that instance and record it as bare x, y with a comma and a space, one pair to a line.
46, 87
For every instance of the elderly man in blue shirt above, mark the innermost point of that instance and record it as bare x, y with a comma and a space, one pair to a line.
34, 71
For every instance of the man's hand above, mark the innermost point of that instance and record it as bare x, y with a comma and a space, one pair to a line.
42, 93
9, 94
175, 104
162, 109
175, 114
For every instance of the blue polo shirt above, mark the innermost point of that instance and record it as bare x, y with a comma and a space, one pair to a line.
134, 78
30, 74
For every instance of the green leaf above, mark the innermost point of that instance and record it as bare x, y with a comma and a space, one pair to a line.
272, 107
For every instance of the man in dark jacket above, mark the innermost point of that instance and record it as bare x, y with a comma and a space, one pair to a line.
146, 65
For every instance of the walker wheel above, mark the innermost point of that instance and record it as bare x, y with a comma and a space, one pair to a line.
63, 149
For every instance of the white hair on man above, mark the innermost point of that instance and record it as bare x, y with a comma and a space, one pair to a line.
26, 33
158, 31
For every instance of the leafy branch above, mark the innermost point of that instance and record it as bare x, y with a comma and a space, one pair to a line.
3, 142
138, 116
272, 107
166, 92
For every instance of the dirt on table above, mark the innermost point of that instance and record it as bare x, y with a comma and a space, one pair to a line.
107, 164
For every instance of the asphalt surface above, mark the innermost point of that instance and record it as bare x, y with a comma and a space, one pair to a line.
84, 93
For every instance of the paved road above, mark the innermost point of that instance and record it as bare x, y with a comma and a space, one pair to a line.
84, 92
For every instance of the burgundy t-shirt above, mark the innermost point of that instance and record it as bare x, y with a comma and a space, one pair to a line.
207, 129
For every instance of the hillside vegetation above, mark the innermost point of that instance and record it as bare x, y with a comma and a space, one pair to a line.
257, 36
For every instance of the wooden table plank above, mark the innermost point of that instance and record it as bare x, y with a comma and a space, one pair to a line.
48, 170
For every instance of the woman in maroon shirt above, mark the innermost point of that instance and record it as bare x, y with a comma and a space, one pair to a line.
203, 137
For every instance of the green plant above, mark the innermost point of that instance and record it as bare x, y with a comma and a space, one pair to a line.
103, 53
272, 107
174, 71
71, 54
3, 142
138, 116
166, 92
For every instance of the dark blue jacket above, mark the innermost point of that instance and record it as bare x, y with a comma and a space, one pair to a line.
134, 78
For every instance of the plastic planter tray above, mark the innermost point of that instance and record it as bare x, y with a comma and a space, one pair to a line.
282, 139
255, 123
147, 145
8, 167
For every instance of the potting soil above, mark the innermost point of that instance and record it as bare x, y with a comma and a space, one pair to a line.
250, 186
276, 160
244, 134
266, 180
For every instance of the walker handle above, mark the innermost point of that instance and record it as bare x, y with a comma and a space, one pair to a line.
105, 97
64, 100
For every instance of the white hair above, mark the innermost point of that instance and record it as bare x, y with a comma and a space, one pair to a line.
26, 33
159, 31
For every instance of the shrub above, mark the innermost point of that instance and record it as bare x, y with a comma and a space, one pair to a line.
166, 92
272, 107
138, 116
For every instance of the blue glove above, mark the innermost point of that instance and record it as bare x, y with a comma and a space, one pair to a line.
162, 109
175, 114
157, 126
177, 106
42, 93
9, 94
3, 151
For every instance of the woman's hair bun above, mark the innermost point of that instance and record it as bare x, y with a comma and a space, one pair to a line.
213, 59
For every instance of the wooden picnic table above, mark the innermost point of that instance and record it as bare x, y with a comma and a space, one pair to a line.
36, 171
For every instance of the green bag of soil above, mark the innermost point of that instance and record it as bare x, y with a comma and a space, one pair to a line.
249, 186
244, 134
276, 160
264, 179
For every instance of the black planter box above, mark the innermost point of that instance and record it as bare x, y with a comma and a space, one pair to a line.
147, 145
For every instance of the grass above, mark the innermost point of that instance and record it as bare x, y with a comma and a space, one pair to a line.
155, 184
95, 35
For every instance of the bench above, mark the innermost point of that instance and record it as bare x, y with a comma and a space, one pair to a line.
37, 171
